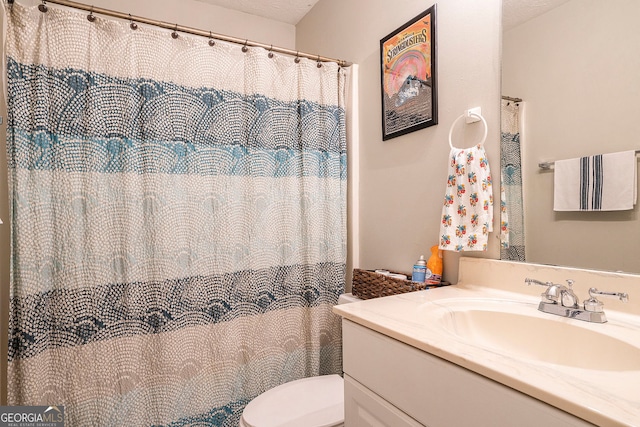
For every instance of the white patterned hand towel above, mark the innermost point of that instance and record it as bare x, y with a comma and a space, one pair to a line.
606, 182
467, 213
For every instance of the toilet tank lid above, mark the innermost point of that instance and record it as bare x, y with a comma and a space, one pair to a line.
314, 401
347, 298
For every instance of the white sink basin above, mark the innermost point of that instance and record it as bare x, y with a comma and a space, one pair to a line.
520, 330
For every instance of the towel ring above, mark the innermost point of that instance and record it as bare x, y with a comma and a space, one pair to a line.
484, 122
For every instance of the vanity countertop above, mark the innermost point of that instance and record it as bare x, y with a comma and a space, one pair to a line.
603, 397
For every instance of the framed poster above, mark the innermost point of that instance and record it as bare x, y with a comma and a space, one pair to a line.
408, 76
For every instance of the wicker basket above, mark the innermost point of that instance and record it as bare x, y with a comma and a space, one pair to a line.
368, 284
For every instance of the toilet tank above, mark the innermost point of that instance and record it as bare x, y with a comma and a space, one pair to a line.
347, 298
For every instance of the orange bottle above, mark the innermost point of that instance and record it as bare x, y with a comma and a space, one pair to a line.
434, 266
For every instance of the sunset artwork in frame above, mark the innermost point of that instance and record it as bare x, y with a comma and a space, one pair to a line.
408, 76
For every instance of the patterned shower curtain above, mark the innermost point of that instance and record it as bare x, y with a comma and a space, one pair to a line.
511, 204
178, 221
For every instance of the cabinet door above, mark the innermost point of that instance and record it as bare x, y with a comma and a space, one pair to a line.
436, 392
364, 408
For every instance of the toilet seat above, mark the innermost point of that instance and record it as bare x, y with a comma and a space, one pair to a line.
309, 402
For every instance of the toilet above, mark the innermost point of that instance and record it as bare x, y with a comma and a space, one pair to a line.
309, 402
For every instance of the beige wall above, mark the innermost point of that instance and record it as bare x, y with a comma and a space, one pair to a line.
402, 180
204, 16
576, 67
184, 12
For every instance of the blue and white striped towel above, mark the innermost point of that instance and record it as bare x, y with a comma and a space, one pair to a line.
606, 182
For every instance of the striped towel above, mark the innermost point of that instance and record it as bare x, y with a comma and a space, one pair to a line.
606, 182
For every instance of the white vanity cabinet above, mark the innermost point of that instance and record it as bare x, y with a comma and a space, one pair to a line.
389, 383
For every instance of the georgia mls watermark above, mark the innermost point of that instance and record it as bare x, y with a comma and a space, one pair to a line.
31, 416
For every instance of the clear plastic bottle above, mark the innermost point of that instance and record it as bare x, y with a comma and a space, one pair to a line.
419, 270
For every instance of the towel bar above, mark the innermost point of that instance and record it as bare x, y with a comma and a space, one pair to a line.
547, 165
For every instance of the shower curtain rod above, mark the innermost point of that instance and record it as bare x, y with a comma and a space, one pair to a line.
508, 98
189, 30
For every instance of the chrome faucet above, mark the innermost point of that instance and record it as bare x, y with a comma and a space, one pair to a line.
562, 301
557, 293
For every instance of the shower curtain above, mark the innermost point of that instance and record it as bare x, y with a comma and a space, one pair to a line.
178, 220
511, 204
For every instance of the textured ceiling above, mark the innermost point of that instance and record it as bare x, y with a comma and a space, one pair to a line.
289, 11
516, 12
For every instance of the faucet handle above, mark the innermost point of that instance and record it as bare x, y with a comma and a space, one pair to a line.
536, 282
623, 296
551, 295
593, 304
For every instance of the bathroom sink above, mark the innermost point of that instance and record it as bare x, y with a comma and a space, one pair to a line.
519, 330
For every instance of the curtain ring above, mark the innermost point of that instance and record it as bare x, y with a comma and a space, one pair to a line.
43, 7
271, 52
90, 16
245, 48
174, 34
318, 63
212, 42
297, 60
132, 24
